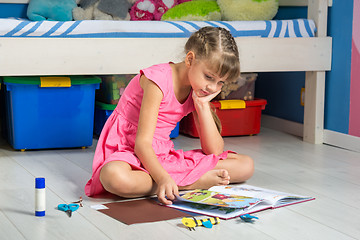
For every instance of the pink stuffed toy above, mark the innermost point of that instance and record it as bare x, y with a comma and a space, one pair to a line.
162, 6
146, 10
142, 10
182, 1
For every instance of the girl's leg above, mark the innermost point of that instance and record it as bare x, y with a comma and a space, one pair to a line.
119, 178
235, 169
240, 167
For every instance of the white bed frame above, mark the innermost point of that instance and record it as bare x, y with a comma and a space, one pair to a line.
68, 56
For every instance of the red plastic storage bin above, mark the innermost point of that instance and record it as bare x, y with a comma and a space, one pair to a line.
234, 121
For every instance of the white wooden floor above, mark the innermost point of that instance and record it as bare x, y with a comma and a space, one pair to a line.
283, 162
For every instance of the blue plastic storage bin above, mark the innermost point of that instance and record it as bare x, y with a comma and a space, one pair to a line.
104, 110
175, 132
50, 112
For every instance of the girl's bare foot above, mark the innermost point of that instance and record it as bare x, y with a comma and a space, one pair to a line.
214, 177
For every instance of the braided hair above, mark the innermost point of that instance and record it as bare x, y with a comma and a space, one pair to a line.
218, 48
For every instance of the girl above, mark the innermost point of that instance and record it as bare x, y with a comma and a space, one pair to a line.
134, 156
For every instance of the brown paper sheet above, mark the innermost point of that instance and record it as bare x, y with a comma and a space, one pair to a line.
141, 211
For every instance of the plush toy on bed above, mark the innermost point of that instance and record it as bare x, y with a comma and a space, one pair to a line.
248, 10
200, 10
226, 10
142, 10
145, 10
103, 10
53, 10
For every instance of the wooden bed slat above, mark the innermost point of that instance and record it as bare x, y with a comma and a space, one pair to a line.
299, 3
272, 55
115, 56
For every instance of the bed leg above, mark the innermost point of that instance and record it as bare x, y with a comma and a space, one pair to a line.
314, 107
318, 11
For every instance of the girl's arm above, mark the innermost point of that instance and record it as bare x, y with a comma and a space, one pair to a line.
210, 138
143, 143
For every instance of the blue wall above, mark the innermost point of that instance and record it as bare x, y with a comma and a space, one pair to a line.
282, 90
338, 80
13, 10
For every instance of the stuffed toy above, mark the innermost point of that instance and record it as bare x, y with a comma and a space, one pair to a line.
162, 6
201, 10
142, 10
230, 10
53, 10
145, 10
103, 10
182, 1
251, 10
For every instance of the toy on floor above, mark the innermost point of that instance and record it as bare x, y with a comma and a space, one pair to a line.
103, 10
68, 208
248, 218
191, 223
52, 10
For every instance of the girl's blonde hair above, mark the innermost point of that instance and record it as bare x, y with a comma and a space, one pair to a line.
218, 48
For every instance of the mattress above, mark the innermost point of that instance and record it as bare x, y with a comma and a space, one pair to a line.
152, 29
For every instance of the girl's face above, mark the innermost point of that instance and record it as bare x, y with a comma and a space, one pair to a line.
203, 80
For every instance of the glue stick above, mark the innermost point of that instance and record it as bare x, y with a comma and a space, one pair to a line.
40, 200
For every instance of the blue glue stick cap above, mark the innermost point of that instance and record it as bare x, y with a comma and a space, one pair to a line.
39, 213
40, 182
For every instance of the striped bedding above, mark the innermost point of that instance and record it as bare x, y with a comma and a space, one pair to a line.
152, 29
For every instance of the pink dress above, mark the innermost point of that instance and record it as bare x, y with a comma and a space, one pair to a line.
117, 139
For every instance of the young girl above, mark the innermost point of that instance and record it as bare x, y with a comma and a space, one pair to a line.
135, 157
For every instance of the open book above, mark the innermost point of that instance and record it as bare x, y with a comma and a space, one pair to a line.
234, 200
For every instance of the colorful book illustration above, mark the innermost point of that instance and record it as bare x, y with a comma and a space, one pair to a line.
234, 200
219, 199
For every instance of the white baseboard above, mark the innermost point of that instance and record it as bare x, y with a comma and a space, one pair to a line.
342, 140
282, 125
330, 137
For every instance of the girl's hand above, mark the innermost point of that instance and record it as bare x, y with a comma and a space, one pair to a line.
207, 124
201, 101
167, 189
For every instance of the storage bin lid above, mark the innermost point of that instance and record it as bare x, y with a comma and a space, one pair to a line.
257, 102
36, 80
105, 106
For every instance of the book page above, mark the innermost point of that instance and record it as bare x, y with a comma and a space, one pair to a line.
208, 210
196, 202
275, 198
219, 199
